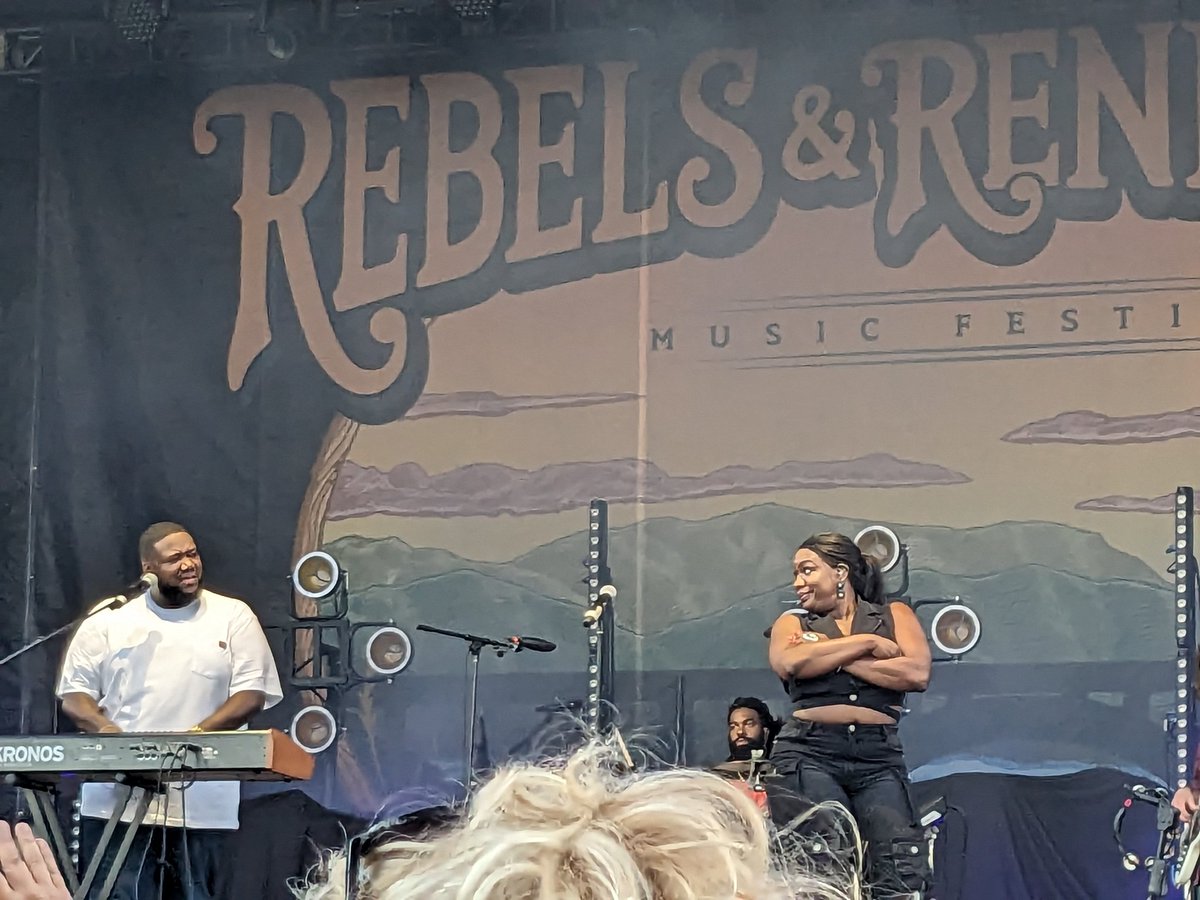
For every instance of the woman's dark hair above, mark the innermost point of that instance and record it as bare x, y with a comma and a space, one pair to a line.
839, 550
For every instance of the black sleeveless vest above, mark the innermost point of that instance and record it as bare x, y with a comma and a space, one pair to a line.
839, 687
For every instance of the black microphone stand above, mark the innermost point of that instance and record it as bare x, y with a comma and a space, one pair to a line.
114, 603
40, 806
475, 645
1164, 822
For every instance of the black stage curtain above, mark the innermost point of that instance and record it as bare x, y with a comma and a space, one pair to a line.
1014, 837
281, 838
18, 340
1005, 837
138, 422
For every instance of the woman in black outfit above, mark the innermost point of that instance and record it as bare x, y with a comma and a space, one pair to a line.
847, 656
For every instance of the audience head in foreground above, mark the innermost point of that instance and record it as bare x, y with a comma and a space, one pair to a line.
582, 829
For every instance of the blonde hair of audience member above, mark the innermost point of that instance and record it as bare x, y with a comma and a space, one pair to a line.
579, 830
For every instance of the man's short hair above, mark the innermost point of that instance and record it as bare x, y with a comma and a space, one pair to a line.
770, 724
154, 534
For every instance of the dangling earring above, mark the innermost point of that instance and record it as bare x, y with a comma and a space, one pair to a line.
841, 590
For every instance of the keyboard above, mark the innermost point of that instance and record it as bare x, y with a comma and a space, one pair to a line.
192, 756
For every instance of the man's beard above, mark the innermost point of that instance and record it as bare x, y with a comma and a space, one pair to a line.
743, 751
173, 596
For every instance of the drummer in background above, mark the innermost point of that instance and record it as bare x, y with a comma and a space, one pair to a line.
751, 735
751, 727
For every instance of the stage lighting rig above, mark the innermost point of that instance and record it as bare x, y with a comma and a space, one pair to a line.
473, 10
318, 576
600, 620
955, 629
281, 41
337, 655
139, 20
20, 51
1183, 568
890, 553
342, 653
386, 651
314, 729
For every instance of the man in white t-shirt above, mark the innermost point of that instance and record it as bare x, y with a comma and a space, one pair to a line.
179, 659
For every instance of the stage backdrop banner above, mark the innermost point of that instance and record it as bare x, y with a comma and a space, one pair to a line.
916, 269
20, 344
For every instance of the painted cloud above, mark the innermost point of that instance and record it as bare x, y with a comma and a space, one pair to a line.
1118, 503
490, 489
489, 404
1087, 427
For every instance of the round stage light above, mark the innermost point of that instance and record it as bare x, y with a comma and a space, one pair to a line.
955, 629
281, 41
881, 543
389, 651
314, 729
316, 575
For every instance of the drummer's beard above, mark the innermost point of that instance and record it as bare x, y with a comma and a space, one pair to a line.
742, 751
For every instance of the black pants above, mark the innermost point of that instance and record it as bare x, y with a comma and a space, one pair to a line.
191, 870
861, 767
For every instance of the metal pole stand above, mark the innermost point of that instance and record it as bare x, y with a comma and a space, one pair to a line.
1164, 821
473, 651
475, 645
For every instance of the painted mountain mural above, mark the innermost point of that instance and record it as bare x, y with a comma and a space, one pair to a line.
1075, 667
1046, 593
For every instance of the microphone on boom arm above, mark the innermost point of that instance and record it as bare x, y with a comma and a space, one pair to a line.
148, 581
606, 595
537, 644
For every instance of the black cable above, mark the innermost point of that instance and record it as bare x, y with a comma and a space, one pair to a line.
184, 784
187, 855
165, 789
176, 764
137, 885
172, 762
962, 856
965, 826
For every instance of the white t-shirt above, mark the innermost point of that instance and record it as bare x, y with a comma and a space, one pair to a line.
156, 669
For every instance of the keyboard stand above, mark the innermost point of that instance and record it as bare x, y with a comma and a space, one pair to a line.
110, 827
45, 824
40, 798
